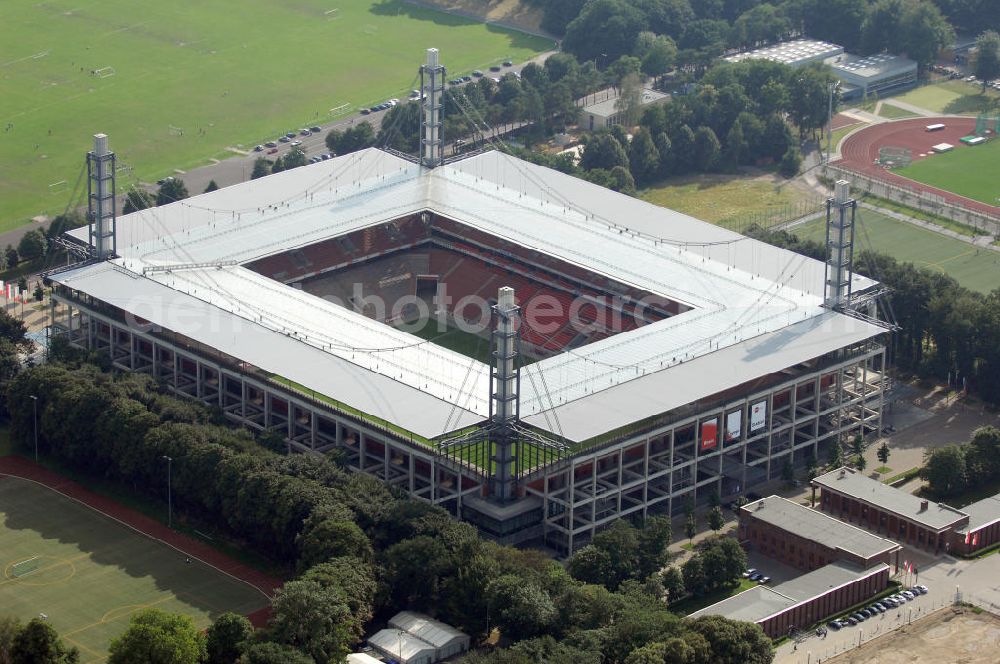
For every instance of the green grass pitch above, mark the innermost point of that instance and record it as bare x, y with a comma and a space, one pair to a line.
973, 267
970, 171
226, 74
93, 572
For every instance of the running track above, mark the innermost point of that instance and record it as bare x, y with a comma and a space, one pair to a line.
16, 466
860, 151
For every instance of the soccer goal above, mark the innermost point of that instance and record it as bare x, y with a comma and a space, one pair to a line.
104, 72
24, 567
175, 131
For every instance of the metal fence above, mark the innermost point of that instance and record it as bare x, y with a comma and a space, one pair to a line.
925, 201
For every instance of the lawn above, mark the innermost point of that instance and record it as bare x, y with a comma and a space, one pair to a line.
732, 201
180, 83
975, 268
89, 573
970, 171
887, 110
951, 97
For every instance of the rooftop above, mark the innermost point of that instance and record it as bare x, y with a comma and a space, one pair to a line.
760, 603
399, 644
981, 514
872, 66
818, 527
609, 107
425, 628
848, 482
792, 53
756, 309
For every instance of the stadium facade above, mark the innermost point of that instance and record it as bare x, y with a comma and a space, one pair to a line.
667, 359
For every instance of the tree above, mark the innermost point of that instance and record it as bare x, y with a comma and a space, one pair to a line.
654, 538
629, 102
715, 519
32, 245
227, 637
835, 455
590, 565
212, 186
987, 66
38, 643
11, 257
605, 30
261, 167
274, 653
39, 293
673, 583
137, 199
707, 149
296, 157
314, 619
924, 31
837, 21
690, 527
621, 542
791, 162
277, 165
158, 637
945, 470
170, 191
859, 462
644, 159
522, 609
603, 151
733, 641
858, 444
883, 453
10, 627
694, 575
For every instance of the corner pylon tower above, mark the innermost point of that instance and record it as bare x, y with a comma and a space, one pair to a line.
432, 76
101, 210
840, 211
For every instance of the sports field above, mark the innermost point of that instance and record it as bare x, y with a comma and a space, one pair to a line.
973, 172
175, 84
88, 573
973, 267
951, 97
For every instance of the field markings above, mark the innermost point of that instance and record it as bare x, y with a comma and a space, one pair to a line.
33, 56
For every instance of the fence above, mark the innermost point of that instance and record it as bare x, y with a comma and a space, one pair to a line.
925, 201
775, 216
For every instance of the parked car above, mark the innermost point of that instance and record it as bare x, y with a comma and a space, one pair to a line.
304, 132
165, 180
315, 160
414, 94
365, 111
495, 68
258, 148
284, 139
746, 574
325, 156
477, 73
508, 63
756, 576
315, 130
851, 620
290, 134
908, 595
834, 625
296, 144
272, 150
922, 589
466, 78
270, 144
764, 580
860, 617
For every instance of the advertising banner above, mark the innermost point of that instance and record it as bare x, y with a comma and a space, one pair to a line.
733, 422
758, 415
710, 433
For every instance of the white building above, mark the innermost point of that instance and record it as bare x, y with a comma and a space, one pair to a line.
793, 53
606, 113
413, 638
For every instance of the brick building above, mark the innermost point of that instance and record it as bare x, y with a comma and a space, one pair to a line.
805, 600
908, 519
808, 539
983, 529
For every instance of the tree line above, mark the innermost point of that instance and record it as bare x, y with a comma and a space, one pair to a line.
606, 30
953, 469
361, 550
947, 332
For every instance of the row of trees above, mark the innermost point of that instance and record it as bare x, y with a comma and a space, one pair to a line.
952, 469
606, 30
946, 329
360, 548
719, 563
36, 642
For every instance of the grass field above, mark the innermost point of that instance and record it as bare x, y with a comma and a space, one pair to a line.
181, 83
973, 172
974, 268
951, 97
729, 201
887, 110
92, 572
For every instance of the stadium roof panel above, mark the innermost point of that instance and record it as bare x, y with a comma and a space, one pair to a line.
755, 307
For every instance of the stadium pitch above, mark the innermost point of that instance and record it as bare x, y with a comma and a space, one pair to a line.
177, 85
973, 267
88, 573
973, 172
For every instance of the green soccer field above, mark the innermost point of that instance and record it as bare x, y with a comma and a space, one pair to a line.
88, 573
970, 171
974, 268
180, 83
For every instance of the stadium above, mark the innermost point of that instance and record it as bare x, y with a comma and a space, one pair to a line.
605, 357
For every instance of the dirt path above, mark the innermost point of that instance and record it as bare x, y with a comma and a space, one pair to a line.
16, 466
514, 14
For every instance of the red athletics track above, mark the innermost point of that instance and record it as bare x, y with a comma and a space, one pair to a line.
859, 152
16, 466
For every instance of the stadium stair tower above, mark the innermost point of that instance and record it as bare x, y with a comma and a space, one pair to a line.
432, 75
101, 210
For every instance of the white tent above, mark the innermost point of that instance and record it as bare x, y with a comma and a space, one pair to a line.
403, 647
447, 640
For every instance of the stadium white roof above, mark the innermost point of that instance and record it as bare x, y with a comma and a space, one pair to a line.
792, 53
756, 308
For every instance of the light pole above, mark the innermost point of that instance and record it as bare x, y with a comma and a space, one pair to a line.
34, 417
829, 125
170, 503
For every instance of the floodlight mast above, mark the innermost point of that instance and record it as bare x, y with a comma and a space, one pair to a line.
432, 89
101, 210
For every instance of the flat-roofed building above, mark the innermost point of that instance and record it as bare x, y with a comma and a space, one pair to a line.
792, 53
908, 519
879, 73
804, 600
807, 539
983, 529
606, 113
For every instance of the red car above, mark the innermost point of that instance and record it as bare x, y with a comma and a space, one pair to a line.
272, 150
